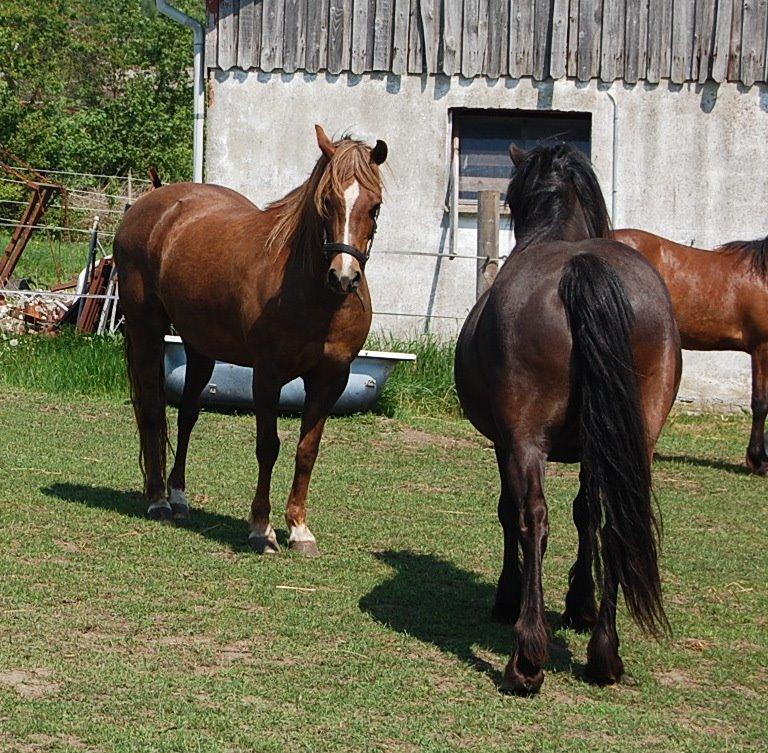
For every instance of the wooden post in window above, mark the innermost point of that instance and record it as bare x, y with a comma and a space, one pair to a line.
454, 219
487, 240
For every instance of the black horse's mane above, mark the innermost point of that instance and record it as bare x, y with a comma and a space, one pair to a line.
542, 191
757, 250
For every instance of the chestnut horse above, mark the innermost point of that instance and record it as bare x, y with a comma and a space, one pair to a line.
282, 290
721, 303
572, 355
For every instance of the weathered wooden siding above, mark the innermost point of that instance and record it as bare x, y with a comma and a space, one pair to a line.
632, 40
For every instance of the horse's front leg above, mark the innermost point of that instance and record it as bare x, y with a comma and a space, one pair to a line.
323, 390
757, 461
266, 395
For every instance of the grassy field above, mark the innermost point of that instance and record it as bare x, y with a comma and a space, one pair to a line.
120, 635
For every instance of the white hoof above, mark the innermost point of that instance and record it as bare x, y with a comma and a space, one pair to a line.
179, 505
303, 541
161, 511
263, 540
300, 533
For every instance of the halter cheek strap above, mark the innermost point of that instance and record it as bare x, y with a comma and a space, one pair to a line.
331, 249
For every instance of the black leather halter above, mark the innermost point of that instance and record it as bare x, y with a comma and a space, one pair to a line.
331, 249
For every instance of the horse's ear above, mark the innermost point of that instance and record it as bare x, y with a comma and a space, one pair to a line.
517, 154
325, 144
379, 152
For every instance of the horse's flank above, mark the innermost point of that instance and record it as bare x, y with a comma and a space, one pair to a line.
720, 297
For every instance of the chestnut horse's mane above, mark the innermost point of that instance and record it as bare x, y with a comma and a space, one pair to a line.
757, 250
540, 194
301, 213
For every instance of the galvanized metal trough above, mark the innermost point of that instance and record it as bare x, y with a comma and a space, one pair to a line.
230, 386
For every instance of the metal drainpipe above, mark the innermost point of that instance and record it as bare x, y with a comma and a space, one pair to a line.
199, 82
614, 158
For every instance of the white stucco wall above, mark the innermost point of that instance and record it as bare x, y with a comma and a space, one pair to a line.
691, 166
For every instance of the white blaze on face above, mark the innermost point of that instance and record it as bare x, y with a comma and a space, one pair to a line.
350, 197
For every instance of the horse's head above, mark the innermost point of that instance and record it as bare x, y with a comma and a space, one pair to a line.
348, 198
554, 194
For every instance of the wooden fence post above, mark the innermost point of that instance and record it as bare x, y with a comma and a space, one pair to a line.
487, 240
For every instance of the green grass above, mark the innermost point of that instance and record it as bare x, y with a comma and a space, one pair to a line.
425, 387
67, 364
48, 260
122, 636
73, 364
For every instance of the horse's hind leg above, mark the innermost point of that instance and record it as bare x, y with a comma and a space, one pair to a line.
603, 661
506, 607
580, 609
144, 348
197, 373
524, 673
757, 461
266, 395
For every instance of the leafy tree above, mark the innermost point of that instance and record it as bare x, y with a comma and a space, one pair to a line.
97, 86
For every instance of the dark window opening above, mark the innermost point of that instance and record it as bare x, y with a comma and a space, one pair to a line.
481, 140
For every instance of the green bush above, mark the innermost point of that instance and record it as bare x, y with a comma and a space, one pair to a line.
96, 87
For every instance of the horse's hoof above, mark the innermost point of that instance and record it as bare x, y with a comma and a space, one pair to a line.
578, 622
605, 670
264, 544
181, 516
179, 507
515, 682
758, 468
306, 548
160, 513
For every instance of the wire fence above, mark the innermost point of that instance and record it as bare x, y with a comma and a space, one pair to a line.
70, 212
10, 293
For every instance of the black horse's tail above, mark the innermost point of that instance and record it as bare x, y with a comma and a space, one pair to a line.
615, 455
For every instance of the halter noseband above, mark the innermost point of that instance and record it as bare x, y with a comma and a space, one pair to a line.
331, 249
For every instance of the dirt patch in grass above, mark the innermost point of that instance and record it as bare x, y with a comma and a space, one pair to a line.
676, 678
49, 742
30, 683
409, 435
391, 430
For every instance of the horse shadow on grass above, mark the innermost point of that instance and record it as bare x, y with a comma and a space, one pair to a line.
718, 465
431, 599
224, 529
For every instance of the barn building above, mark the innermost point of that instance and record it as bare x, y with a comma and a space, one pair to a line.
669, 99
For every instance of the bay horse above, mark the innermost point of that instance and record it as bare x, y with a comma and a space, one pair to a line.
721, 303
281, 289
572, 355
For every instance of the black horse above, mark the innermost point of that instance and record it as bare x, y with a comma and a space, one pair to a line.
572, 355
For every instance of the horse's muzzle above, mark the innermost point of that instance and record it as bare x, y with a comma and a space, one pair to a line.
342, 283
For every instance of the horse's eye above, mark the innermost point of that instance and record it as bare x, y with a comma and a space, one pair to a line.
375, 211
